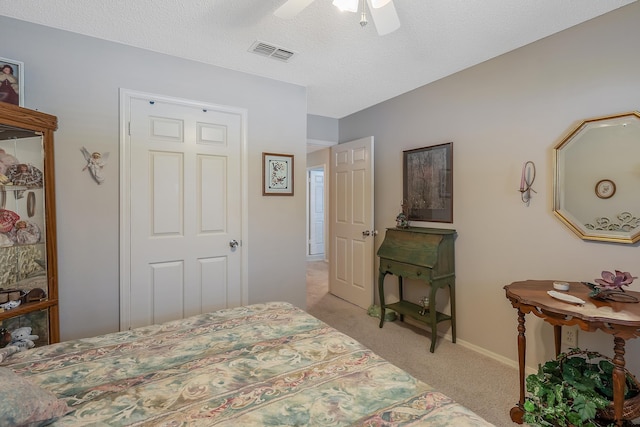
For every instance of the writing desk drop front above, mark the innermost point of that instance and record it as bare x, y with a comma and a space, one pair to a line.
424, 254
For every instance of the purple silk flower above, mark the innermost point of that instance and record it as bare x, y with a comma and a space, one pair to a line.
611, 281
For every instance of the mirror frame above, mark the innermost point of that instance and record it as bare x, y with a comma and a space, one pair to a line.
602, 193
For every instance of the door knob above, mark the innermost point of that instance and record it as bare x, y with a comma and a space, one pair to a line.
366, 233
233, 244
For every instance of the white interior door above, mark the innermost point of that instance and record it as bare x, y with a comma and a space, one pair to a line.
316, 212
184, 210
351, 222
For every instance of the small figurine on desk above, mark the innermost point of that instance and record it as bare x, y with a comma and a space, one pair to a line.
424, 302
402, 220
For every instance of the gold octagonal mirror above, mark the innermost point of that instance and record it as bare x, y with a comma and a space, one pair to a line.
597, 178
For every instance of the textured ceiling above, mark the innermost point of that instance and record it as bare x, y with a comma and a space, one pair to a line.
345, 68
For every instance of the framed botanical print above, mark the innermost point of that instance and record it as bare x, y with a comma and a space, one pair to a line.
277, 174
428, 183
11, 81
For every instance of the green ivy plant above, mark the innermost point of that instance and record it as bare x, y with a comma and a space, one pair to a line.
569, 390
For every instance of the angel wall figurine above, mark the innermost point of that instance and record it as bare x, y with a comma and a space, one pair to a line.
95, 163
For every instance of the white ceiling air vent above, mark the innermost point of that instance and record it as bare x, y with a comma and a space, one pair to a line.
272, 51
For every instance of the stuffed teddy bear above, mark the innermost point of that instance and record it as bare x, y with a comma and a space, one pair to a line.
22, 338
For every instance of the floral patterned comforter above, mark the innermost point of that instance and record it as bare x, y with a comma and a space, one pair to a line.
260, 365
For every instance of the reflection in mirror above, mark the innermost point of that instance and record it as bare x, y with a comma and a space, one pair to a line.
597, 178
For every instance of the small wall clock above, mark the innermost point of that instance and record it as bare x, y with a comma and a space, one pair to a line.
605, 188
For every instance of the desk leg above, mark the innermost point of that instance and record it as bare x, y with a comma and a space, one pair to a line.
400, 295
517, 412
452, 298
433, 320
618, 379
381, 275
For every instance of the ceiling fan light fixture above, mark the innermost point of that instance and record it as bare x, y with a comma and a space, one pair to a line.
346, 5
376, 4
363, 19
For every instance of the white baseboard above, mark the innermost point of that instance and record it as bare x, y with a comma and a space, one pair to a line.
495, 356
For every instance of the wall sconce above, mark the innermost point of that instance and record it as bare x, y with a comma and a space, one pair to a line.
526, 181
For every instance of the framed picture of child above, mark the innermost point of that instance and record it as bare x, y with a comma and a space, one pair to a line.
11, 81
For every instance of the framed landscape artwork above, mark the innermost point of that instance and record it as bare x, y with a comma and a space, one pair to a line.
11, 81
428, 183
277, 174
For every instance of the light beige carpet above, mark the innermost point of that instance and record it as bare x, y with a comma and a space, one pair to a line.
484, 385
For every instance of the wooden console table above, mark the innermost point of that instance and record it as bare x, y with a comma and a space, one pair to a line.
425, 254
622, 320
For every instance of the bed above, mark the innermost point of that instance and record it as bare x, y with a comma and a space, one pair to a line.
260, 365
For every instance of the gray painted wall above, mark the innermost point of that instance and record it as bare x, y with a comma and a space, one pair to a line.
78, 78
322, 128
500, 114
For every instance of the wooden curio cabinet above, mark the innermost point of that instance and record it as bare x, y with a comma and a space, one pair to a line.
28, 260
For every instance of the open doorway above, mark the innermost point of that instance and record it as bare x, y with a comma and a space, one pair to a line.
316, 214
318, 161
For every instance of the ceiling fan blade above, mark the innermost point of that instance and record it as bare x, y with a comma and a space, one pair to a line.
291, 8
346, 5
385, 18
379, 3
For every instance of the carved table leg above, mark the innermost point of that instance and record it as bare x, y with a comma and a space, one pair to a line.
618, 379
517, 411
557, 338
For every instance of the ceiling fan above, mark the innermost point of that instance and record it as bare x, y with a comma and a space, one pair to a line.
383, 12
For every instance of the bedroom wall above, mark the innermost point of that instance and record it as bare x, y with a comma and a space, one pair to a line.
323, 128
500, 114
77, 78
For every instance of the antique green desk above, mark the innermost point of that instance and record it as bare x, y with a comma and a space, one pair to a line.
424, 254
